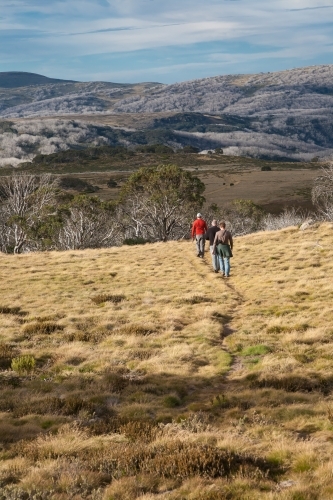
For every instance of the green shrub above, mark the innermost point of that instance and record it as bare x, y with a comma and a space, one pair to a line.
266, 168
171, 401
23, 364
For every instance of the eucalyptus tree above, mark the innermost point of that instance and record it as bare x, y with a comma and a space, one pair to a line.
27, 204
158, 203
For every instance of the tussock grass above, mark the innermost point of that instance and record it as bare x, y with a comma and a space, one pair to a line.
159, 379
104, 297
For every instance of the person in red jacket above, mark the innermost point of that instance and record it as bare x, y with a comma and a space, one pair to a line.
199, 228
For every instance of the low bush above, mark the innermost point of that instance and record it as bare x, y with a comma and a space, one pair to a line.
176, 459
171, 401
139, 431
23, 364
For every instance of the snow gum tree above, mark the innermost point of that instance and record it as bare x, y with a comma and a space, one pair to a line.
158, 202
27, 203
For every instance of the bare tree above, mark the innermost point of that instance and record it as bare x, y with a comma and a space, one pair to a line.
322, 192
289, 217
26, 201
89, 223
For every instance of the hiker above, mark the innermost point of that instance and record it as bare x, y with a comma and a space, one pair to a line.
222, 246
210, 235
199, 228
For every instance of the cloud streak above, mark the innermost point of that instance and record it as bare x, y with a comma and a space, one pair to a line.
62, 34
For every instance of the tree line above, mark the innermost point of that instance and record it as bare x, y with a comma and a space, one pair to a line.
155, 204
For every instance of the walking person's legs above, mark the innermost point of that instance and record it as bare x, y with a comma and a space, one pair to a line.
197, 242
221, 261
227, 266
215, 259
202, 242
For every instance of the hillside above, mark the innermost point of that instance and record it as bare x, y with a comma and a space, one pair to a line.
15, 79
284, 115
156, 378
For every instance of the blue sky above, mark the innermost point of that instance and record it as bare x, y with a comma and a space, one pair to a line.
162, 41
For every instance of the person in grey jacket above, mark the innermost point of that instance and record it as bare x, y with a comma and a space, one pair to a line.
210, 235
222, 246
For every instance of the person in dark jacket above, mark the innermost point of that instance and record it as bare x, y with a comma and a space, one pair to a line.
210, 235
223, 245
199, 228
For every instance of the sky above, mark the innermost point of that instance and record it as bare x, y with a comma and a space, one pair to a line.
162, 41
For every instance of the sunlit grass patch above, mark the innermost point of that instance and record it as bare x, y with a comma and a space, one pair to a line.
239, 369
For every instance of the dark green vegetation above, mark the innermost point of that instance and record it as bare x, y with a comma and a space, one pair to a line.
118, 158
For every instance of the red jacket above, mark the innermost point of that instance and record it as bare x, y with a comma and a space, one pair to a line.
199, 227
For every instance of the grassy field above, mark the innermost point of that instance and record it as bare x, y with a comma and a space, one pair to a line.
273, 190
136, 372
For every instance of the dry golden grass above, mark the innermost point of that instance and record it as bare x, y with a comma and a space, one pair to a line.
156, 378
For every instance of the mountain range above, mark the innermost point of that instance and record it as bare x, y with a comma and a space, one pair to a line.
286, 114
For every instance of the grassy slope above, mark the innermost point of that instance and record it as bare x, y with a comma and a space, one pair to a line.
185, 373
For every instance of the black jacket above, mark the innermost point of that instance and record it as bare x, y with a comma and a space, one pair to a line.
210, 235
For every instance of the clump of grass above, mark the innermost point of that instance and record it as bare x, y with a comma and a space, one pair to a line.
94, 335
256, 350
134, 329
7, 352
23, 364
196, 299
9, 310
69, 406
294, 383
41, 328
104, 297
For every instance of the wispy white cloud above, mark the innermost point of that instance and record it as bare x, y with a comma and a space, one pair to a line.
67, 30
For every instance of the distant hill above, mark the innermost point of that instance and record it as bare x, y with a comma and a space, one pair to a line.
281, 115
14, 79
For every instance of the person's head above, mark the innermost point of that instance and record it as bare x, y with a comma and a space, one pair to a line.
222, 224
199, 216
214, 222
